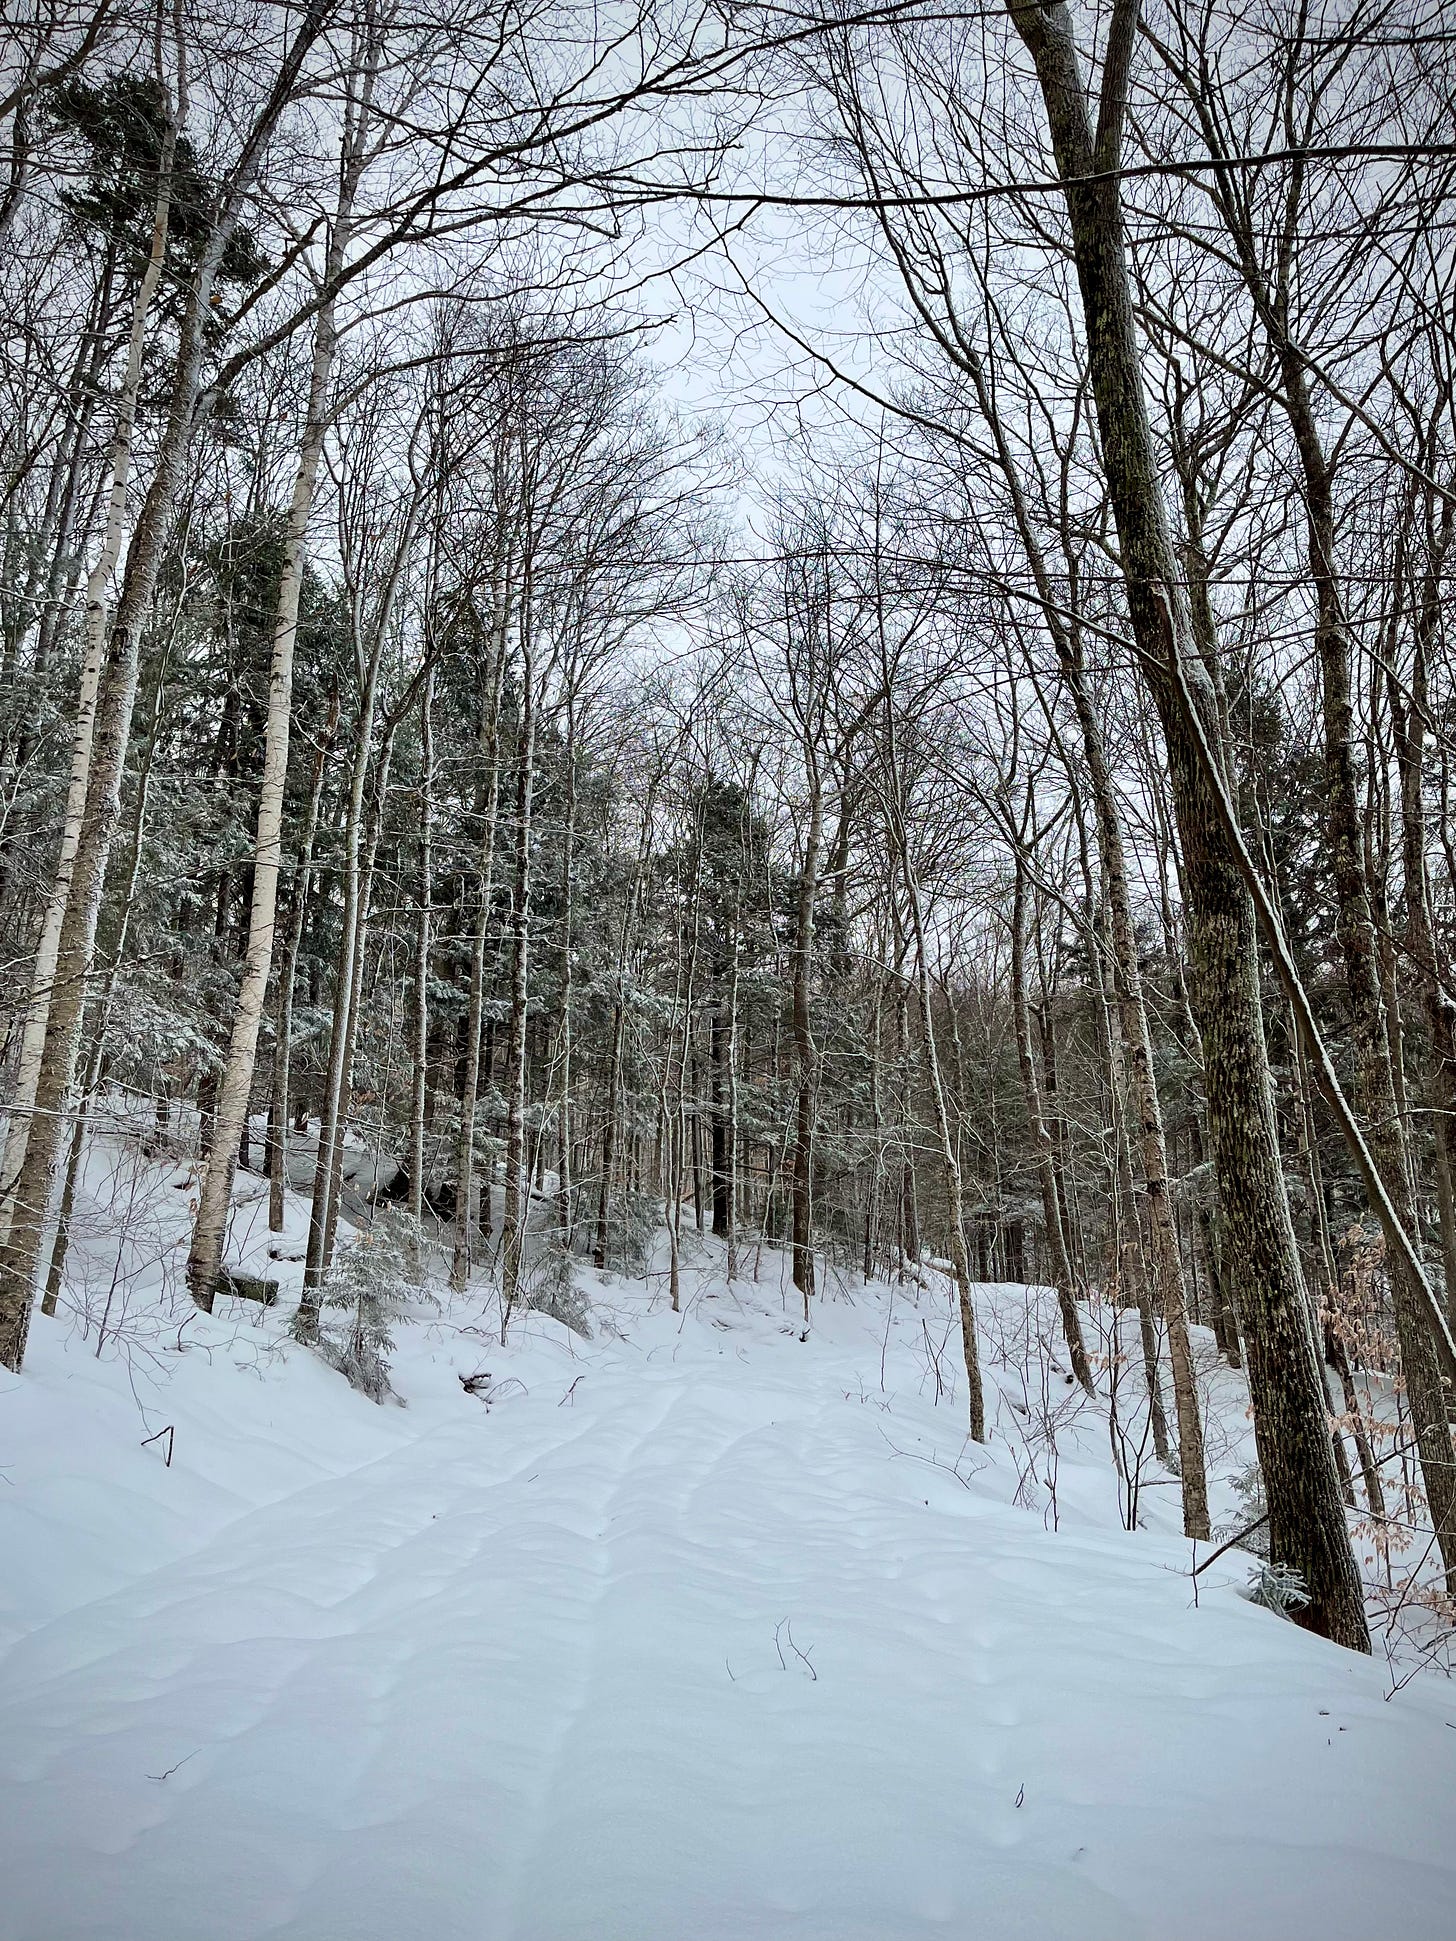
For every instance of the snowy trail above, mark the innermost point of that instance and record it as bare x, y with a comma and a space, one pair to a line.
515, 1678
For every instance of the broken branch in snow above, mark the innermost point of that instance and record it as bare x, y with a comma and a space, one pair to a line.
784, 1630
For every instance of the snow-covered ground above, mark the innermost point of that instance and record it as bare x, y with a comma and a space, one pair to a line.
690, 1632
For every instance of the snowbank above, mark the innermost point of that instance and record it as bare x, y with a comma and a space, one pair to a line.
693, 1632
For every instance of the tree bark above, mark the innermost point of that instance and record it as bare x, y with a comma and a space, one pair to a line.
98, 582
116, 696
324, 1208
209, 1230
1306, 1515
950, 1162
1061, 1266
805, 1072
516, 1205
425, 894
461, 1259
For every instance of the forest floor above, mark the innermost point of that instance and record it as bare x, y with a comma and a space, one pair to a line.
694, 1631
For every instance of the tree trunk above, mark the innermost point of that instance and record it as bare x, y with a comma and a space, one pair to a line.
235, 1090
805, 1071
516, 1207
955, 1197
420, 1045
1167, 1291
116, 696
356, 995
287, 977
1143, 1096
1061, 1266
1376, 1095
565, 1184
731, 1142
95, 1064
209, 1230
1409, 723
323, 1210
98, 583
461, 1259
1306, 1515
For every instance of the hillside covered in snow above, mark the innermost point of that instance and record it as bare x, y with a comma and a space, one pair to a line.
691, 1628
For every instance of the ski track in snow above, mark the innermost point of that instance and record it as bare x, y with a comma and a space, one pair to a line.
512, 1675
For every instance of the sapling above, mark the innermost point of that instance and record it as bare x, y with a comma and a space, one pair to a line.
550, 1288
1248, 1486
370, 1286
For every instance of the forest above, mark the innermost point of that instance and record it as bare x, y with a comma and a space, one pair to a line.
812, 638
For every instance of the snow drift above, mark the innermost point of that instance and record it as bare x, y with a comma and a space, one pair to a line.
692, 1630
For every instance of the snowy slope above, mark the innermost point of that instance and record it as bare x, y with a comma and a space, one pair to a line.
695, 1633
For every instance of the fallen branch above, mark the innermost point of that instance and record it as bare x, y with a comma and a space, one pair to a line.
1237, 1538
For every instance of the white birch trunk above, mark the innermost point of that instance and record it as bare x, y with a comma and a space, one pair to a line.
209, 1230
98, 583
